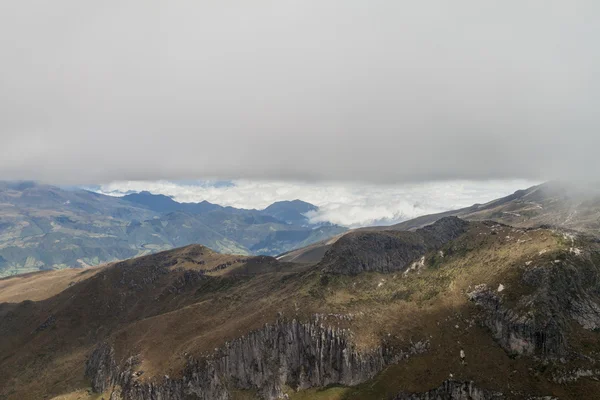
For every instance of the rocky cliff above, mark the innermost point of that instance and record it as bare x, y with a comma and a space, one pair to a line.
555, 294
518, 333
290, 353
388, 251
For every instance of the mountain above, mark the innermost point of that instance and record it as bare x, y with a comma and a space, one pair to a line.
568, 205
559, 204
164, 204
46, 227
455, 310
389, 251
449, 308
292, 212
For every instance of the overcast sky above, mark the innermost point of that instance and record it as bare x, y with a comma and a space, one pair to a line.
371, 91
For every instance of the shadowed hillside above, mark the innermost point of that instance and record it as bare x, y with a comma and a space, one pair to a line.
557, 204
192, 323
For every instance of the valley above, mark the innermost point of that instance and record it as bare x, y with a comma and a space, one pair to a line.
44, 227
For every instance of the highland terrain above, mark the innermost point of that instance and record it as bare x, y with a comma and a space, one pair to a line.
44, 227
457, 309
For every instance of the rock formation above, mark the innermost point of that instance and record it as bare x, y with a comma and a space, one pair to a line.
458, 390
537, 322
389, 251
298, 355
453, 390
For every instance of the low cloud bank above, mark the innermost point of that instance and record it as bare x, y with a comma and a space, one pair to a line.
351, 205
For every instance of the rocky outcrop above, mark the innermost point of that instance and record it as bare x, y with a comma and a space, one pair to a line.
517, 332
538, 322
573, 375
388, 251
453, 390
286, 353
462, 390
101, 368
48, 323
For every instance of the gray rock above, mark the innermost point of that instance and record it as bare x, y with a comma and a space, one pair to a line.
538, 322
453, 390
285, 353
388, 251
568, 376
519, 331
101, 368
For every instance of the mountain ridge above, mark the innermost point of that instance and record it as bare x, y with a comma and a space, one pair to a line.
192, 323
46, 227
559, 204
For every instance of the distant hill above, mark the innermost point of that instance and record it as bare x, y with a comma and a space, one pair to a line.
45, 227
555, 204
560, 204
162, 204
292, 212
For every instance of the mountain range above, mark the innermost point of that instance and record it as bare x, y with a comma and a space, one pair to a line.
442, 307
46, 227
552, 204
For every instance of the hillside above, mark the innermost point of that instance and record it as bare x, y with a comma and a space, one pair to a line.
43, 227
292, 212
521, 304
557, 204
561, 204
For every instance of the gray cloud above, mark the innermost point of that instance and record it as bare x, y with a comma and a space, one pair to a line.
380, 91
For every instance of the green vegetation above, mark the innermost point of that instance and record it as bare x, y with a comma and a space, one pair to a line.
44, 227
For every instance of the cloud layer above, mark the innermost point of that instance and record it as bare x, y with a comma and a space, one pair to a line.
380, 91
372, 91
350, 205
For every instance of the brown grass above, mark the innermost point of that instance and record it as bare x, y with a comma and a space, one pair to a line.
162, 326
42, 285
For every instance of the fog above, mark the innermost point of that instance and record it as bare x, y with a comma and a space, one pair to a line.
378, 92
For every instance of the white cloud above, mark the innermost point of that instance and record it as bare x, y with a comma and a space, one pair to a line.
346, 204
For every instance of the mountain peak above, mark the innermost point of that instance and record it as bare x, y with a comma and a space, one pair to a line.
155, 202
297, 205
290, 211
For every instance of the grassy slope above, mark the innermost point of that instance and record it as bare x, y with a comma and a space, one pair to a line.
41, 285
552, 203
162, 326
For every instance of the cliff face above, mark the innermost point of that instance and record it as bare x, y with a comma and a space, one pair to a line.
560, 292
286, 353
389, 251
102, 368
518, 332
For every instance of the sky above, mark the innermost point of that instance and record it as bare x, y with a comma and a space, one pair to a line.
350, 205
363, 92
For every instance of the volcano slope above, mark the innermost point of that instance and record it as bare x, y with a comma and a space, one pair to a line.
521, 305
